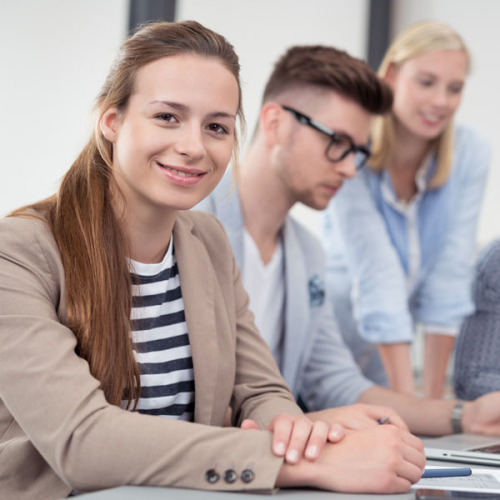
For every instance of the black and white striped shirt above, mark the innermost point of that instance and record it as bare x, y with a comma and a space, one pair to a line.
160, 339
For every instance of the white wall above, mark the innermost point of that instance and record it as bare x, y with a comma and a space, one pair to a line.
55, 55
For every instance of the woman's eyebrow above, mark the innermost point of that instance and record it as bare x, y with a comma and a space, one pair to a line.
172, 104
184, 107
222, 114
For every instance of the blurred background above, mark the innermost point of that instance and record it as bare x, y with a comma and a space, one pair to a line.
55, 55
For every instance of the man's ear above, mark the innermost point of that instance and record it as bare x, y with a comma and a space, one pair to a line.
109, 124
270, 119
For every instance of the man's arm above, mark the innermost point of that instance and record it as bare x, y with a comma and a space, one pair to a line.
432, 417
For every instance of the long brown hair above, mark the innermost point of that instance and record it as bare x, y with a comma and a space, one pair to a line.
92, 243
419, 38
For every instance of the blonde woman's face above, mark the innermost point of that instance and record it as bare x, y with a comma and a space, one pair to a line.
428, 90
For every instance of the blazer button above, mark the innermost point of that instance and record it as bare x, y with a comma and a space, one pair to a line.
247, 476
230, 476
211, 476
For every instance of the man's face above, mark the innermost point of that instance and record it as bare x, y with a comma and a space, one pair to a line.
299, 160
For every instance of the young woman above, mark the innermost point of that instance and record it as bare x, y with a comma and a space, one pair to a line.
118, 307
400, 237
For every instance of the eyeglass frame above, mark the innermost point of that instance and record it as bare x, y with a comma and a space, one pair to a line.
310, 122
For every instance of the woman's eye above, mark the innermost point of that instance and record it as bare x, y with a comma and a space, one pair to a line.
218, 129
455, 89
425, 83
166, 117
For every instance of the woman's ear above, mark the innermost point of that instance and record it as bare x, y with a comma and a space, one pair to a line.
270, 119
109, 124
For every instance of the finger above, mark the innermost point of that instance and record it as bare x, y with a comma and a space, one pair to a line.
409, 471
299, 437
317, 440
396, 420
412, 441
414, 456
384, 415
281, 427
360, 422
249, 424
336, 433
399, 485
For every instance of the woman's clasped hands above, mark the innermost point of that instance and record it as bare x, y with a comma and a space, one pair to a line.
382, 458
296, 437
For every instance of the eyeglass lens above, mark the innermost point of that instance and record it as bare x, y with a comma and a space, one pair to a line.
340, 147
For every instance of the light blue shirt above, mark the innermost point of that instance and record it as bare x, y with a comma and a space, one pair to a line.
368, 252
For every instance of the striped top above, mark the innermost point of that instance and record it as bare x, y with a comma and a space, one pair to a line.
160, 339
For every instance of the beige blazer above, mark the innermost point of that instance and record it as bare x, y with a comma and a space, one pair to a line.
57, 431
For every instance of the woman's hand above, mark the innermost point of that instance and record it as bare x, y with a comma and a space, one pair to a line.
297, 437
382, 459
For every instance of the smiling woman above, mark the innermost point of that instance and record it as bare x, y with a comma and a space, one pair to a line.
118, 306
172, 143
400, 238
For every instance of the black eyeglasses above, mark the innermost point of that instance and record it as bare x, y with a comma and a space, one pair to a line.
340, 145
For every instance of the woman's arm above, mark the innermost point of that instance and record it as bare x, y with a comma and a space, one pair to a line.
53, 414
379, 295
444, 297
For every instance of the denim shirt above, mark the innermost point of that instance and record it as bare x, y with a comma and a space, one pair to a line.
368, 253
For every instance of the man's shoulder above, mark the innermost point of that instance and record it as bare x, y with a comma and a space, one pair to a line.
306, 239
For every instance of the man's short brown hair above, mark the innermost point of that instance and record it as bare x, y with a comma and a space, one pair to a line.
331, 69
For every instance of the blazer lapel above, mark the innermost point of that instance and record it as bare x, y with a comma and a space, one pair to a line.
195, 272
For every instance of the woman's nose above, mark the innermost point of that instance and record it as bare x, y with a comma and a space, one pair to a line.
189, 142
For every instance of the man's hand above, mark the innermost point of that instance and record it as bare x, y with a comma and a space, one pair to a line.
359, 416
482, 416
295, 437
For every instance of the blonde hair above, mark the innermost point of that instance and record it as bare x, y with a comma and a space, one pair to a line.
419, 38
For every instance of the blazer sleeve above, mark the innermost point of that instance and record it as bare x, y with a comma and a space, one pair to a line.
380, 299
444, 298
64, 417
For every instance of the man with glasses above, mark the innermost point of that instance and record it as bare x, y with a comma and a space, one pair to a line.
311, 137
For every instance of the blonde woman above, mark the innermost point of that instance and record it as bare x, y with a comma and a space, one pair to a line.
400, 237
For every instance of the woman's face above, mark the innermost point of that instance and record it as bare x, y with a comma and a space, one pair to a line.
174, 141
427, 91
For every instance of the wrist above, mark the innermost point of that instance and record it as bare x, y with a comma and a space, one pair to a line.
456, 417
295, 475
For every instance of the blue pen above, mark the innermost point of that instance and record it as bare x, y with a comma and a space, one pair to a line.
384, 420
456, 471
